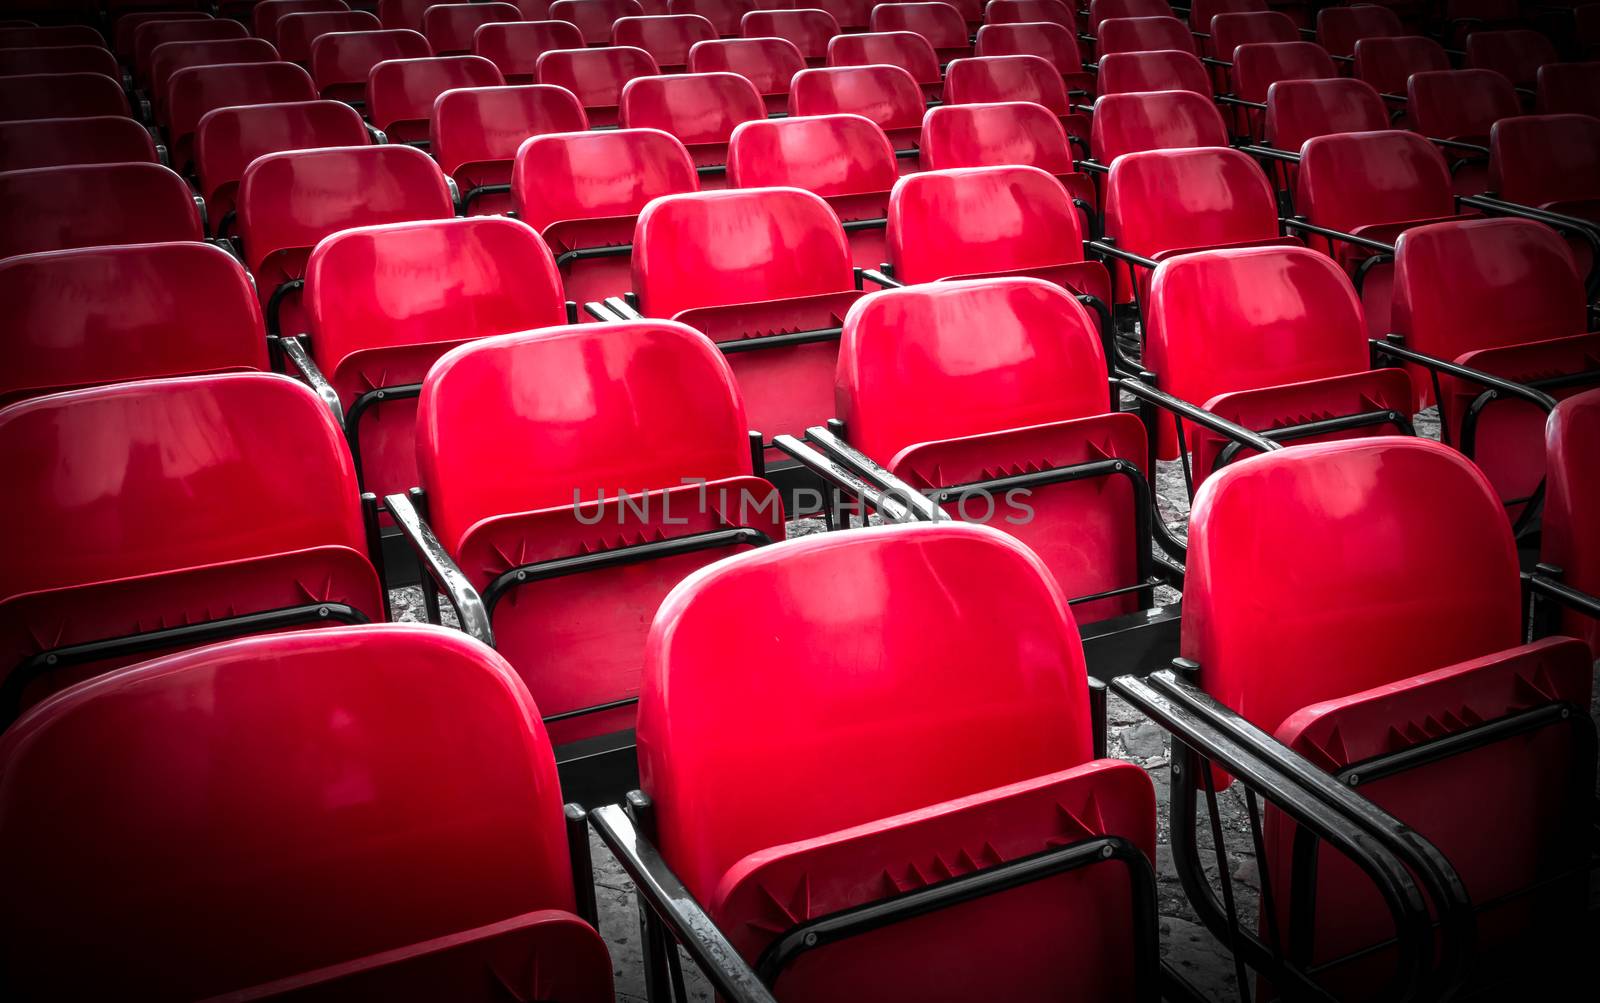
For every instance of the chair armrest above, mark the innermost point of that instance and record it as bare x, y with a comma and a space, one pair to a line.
470, 607
295, 351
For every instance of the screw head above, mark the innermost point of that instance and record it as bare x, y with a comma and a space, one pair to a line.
380, 395
1355, 779
1177, 770
811, 940
1105, 852
322, 611
522, 576
50, 659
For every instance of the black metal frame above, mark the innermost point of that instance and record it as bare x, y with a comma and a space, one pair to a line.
1544, 592
1588, 230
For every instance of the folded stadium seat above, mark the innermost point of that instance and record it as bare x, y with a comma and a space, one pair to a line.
289, 201
886, 95
941, 24
51, 34
233, 510
270, 788
122, 32
515, 46
171, 57
1340, 28
972, 10
1298, 110
87, 205
100, 315
844, 158
60, 59
1551, 163
851, 15
1463, 17
1259, 65
1028, 794
594, 18
477, 131
297, 32
1202, 11
768, 63
596, 76
1101, 11
381, 310
265, 15
1456, 109
60, 95
667, 38
905, 49
1162, 203
194, 91
1387, 64
766, 274
700, 109
1007, 133
1500, 296
1569, 541
645, 475
342, 61
1229, 31
1430, 711
403, 14
583, 193
999, 12
401, 92
1143, 34
1045, 39
228, 139
153, 33
58, 142
724, 15
1003, 222
810, 30
1569, 89
1154, 120
992, 79
1165, 70
1516, 54
449, 27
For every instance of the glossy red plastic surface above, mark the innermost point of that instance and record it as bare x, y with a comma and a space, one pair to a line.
596, 76
1258, 65
1569, 89
809, 30
1229, 31
269, 796
449, 27
60, 95
1046, 39
198, 90
228, 139
153, 33
297, 32
86, 205
58, 142
1298, 110
1388, 62
1143, 34
342, 61
403, 14
1460, 104
724, 15
1340, 28
1571, 539
667, 38
941, 24
18, 36
1104, 10
1133, 72
584, 190
887, 95
265, 15
905, 49
850, 14
992, 79
594, 18
1516, 54
643, 408
1029, 12
60, 59
987, 135
516, 46
111, 314
170, 57
401, 92
1549, 161
1154, 120
477, 131
1201, 12
700, 109
768, 63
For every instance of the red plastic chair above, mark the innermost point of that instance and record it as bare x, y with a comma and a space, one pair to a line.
740, 265
1154, 120
61, 95
1340, 28
1298, 110
197, 90
404, 15
939, 597
1166, 70
1461, 106
994, 79
233, 510
1515, 55
457, 785
724, 15
297, 32
100, 315
87, 205
328, 190
1101, 11
1572, 494
667, 38
594, 18
33, 36
153, 33
1388, 62
596, 76
1501, 296
647, 408
342, 61
380, 311
1550, 162
170, 58
852, 15
998, 135
941, 24
60, 59
1030, 12
1229, 31
265, 15
1259, 65
768, 63
122, 32
1202, 11
1569, 89
478, 130
1143, 34
449, 27
515, 47
1045, 39
401, 92
905, 49
700, 109
228, 139
887, 95
844, 158
59, 142
583, 192
810, 30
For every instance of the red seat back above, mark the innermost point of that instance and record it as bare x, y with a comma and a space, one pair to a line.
342, 61
153, 33
87, 205
60, 59
403, 14
989, 135
1361, 179
122, 34
831, 155
1388, 62
60, 95
297, 32
980, 220
809, 30
1229, 31
887, 95
449, 27
1298, 110
1571, 539
768, 63
516, 46
1456, 104
1154, 120
848, 13
228, 139
34, 36
700, 109
1543, 159
1166, 70
197, 90
1046, 39
594, 18
477, 130
597, 175
1029, 12
58, 142
1340, 28
1516, 54
1161, 201
1569, 89
170, 57
1101, 11
596, 76
1201, 12
667, 38
941, 24
264, 16
989, 79
905, 49
724, 15
1258, 65
401, 92
1143, 34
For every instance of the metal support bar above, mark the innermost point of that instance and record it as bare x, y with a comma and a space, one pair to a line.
1299, 223
867, 469
1324, 426
437, 563
888, 504
1199, 415
295, 351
